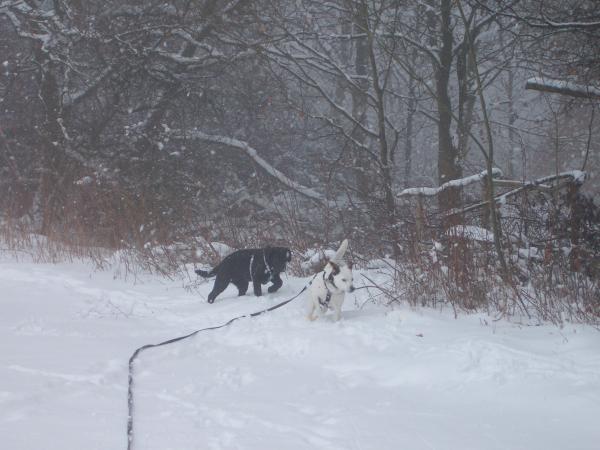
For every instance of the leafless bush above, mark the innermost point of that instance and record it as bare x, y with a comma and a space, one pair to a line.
550, 239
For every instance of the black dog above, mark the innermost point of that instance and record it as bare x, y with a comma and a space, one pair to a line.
256, 265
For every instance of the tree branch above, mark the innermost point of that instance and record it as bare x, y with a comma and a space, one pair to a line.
252, 153
562, 87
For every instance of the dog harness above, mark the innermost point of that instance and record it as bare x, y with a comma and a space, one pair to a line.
325, 303
251, 276
267, 268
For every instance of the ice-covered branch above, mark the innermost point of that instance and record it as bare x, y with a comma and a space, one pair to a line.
562, 87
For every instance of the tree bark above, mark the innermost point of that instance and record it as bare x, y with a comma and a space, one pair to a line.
448, 167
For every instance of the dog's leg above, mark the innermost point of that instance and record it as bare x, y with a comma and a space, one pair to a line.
337, 308
311, 314
242, 287
220, 284
277, 283
338, 314
257, 288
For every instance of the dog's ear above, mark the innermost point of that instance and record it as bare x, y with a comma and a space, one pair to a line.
335, 268
288, 255
339, 255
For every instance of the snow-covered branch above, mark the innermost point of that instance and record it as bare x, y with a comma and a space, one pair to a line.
575, 176
572, 25
72, 98
562, 87
460, 182
43, 38
252, 153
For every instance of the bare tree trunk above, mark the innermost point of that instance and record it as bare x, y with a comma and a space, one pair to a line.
511, 123
497, 230
359, 101
408, 137
448, 167
53, 139
385, 152
345, 53
466, 97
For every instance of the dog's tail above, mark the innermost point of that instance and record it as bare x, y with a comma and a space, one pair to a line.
206, 273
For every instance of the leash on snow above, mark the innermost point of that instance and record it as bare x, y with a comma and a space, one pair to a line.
130, 398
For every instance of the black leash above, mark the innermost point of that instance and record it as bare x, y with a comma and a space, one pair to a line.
181, 338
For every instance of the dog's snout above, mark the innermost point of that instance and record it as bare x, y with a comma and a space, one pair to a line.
351, 288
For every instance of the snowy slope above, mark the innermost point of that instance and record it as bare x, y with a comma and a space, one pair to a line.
379, 379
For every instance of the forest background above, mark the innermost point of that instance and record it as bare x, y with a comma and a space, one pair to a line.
455, 141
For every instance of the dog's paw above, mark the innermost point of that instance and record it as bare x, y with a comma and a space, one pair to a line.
272, 289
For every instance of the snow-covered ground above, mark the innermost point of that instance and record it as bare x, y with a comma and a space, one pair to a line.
379, 379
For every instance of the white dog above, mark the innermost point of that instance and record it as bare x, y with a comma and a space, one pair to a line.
329, 287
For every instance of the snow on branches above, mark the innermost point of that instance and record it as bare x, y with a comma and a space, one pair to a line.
563, 87
196, 134
460, 182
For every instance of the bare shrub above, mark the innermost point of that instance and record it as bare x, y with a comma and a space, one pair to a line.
550, 239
